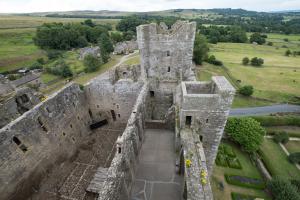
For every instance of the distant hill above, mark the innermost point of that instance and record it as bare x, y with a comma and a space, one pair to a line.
183, 13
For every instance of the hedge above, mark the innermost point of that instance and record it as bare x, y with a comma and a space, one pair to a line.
286, 120
234, 163
237, 196
230, 180
291, 134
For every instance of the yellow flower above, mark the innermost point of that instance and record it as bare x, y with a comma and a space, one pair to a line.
203, 181
188, 163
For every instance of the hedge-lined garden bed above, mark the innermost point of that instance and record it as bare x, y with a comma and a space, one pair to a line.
276, 161
237, 196
285, 120
226, 157
244, 181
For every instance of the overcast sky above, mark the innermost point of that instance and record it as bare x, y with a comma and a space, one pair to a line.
9, 6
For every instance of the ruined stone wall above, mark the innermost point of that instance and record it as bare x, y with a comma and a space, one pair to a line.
45, 136
113, 97
207, 111
121, 173
17, 103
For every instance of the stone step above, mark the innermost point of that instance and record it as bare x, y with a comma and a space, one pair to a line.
97, 182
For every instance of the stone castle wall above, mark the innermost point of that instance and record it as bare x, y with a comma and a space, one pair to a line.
121, 173
17, 103
44, 136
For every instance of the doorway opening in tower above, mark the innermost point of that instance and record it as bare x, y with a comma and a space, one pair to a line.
188, 121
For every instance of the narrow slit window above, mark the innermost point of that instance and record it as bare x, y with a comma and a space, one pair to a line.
169, 69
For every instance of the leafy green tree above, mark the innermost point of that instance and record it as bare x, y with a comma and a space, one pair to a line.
212, 60
92, 63
281, 137
36, 65
106, 47
200, 49
130, 23
270, 43
89, 22
257, 61
60, 68
116, 37
246, 90
245, 61
283, 189
245, 131
129, 35
41, 60
288, 52
66, 71
81, 42
258, 38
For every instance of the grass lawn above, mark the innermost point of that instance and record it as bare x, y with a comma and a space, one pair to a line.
206, 71
249, 170
277, 162
277, 80
135, 60
46, 77
88, 76
293, 146
17, 49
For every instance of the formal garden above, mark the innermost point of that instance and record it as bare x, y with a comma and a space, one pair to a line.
269, 139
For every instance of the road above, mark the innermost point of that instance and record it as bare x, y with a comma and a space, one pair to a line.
265, 110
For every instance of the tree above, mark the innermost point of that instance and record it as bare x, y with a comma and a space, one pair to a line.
36, 65
283, 189
246, 90
245, 61
257, 61
129, 35
200, 49
66, 71
89, 22
212, 60
106, 47
91, 63
258, 38
281, 137
130, 23
245, 131
116, 37
288, 52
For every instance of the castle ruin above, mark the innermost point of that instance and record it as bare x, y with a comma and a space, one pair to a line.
150, 125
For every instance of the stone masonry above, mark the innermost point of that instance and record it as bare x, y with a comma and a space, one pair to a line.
85, 143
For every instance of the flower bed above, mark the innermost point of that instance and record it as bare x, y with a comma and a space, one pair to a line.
245, 181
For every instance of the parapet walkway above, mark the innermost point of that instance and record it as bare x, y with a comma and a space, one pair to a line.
156, 177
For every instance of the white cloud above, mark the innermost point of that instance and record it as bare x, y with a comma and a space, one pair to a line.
141, 5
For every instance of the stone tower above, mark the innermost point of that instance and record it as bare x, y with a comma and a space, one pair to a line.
166, 59
204, 108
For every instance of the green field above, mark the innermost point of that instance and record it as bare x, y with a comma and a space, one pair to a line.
248, 170
278, 80
277, 162
13, 22
17, 49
